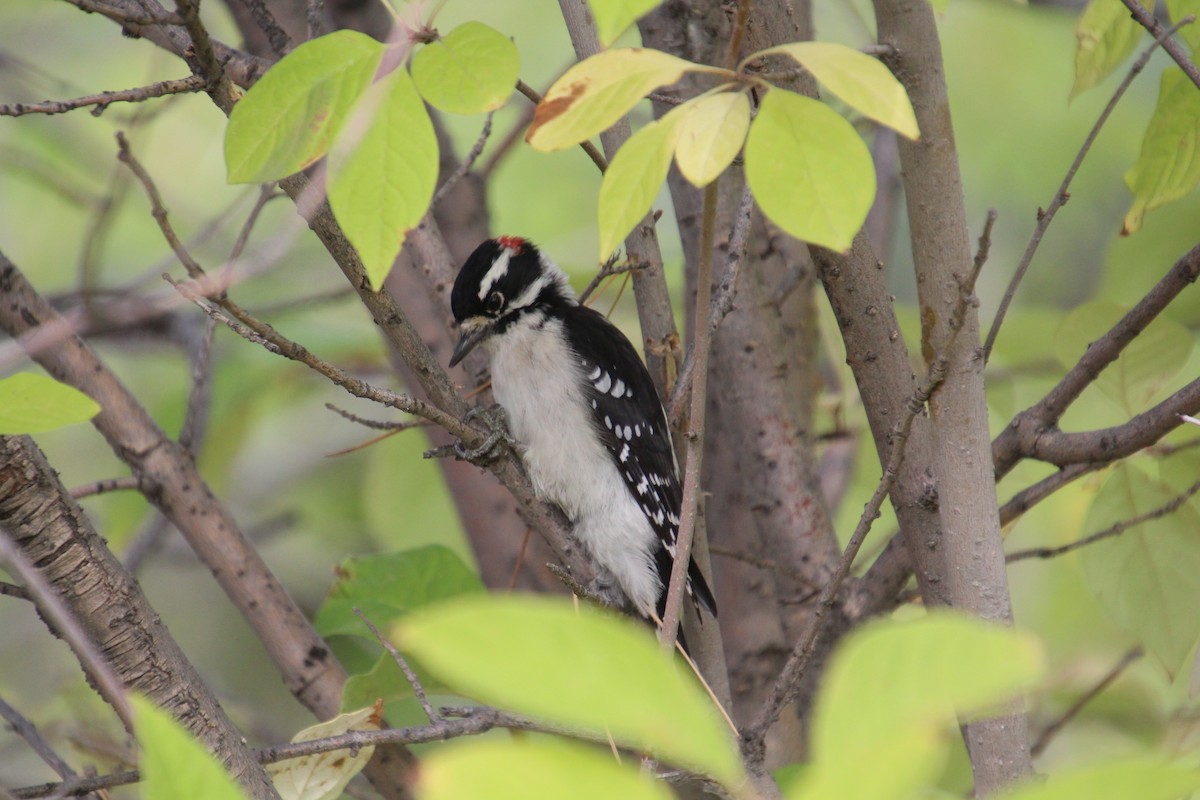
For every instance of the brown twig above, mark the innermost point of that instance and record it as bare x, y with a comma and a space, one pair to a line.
1043, 740
1032, 432
1109, 532
606, 271
409, 675
379, 425
102, 100
1030, 496
1046, 216
589, 148
126, 16
29, 732
12, 590
124, 483
1179, 54
465, 167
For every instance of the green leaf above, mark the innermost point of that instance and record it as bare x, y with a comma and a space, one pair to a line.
892, 695
614, 16
1148, 577
1105, 37
470, 70
1147, 365
387, 586
1144, 779
173, 763
532, 769
711, 133
862, 82
1169, 165
1178, 9
597, 92
383, 172
32, 403
576, 667
633, 179
810, 172
323, 776
289, 118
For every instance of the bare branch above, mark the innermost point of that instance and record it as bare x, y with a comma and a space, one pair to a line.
409, 675
1030, 496
106, 485
1177, 52
379, 425
1109, 532
102, 100
1052, 730
1046, 216
29, 732
1028, 431
125, 15
467, 163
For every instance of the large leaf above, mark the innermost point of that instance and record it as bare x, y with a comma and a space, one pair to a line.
32, 403
1147, 365
323, 776
633, 179
711, 133
290, 117
575, 667
173, 764
891, 695
614, 16
1169, 165
387, 586
1105, 37
596, 92
383, 170
810, 172
1148, 577
539, 769
862, 82
1144, 779
470, 70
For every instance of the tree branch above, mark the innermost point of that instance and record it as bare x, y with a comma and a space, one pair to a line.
1146, 19
102, 100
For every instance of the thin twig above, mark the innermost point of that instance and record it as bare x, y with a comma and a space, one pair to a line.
1031, 495
606, 271
101, 101
121, 484
411, 676
131, 18
1112, 530
379, 425
12, 590
29, 732
589, 148
1046, 216
695, 432
466, 165
1052, 730
1146, 20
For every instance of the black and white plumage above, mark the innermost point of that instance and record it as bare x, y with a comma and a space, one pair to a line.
580, 403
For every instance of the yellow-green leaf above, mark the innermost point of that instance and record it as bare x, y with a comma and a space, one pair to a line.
862, 82
711, 133
470, 70
32, 403
383, 170
289, 118
173, 763
1148, 577
1105, 37
575, 667
323, 776
596, 92
1142, 778
530, 769
1169, 165
633, 179
809, 170
1178, 9
614, 16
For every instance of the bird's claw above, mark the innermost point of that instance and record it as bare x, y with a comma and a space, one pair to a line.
498, 438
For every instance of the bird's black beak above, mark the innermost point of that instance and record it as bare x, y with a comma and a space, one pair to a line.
474, 331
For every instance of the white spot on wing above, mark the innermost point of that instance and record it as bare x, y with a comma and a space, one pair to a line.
595, 372
603, 383
618, 389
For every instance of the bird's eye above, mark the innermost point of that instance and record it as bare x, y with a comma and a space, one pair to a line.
495, 302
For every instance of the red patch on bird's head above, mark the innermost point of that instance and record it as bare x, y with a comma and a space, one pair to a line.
514, 243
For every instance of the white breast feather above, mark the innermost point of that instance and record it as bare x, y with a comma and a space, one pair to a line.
539, 387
